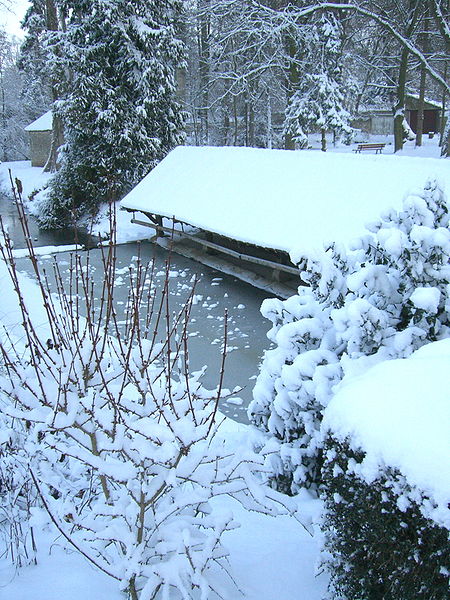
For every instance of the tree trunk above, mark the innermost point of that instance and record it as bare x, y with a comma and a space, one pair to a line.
204, 57
235, 122
4, 121
324, 140
444, 104
249, 118
399, 109
446, 145
423, 79
420, 106
444, 140
414, 13
52, 163
246, 143
226, 128
269, 124
53, 23
292, 81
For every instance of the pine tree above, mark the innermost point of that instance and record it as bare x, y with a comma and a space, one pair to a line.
318, 102
120, 111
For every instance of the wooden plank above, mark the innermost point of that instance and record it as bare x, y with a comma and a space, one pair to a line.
239, 255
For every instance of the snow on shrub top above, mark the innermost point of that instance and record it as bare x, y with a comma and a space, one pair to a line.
383, 299
398, 414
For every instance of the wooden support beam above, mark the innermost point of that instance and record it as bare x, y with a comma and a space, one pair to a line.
239, 255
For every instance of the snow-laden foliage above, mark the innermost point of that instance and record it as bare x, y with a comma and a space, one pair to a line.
119, 438
380, 538
317, 103
117, 102
383, 299
17, 494
125, 462
386, 482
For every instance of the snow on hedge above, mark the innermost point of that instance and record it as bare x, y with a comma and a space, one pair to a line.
277, 198
398, 414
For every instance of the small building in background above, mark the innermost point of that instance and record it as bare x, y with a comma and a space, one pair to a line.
40, 134
379, 120
432, 114
375, 121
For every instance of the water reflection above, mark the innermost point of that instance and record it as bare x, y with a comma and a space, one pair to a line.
40, 237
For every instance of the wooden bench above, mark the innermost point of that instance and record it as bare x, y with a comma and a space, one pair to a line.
377, 147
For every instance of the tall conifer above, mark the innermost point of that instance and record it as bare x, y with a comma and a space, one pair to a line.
120, 111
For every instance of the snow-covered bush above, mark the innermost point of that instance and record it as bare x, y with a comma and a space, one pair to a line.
383, 299
386, 479
17, 495
121, 440
375, 549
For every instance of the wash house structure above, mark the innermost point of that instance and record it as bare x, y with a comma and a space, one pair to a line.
258, 213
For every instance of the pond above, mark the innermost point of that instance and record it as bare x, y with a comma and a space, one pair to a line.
215, 293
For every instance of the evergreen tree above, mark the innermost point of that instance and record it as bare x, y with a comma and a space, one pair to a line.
318, 102
33, 53
120, 111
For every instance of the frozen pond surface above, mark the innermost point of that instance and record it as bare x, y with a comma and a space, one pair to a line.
215, 293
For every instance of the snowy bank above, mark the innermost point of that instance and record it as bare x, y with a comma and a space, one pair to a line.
398, 414
11, 317
32, 178
280, 199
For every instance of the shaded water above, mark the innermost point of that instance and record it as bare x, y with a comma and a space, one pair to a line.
215, 293
40, 237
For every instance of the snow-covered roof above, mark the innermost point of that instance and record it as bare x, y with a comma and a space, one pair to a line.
434, 103
278, 198
375, 110
43, 123
382, 107
398, 413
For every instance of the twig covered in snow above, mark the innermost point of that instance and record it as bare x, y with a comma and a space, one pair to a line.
122, 441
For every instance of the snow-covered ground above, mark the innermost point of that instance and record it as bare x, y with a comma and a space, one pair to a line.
33, 178
270, 557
